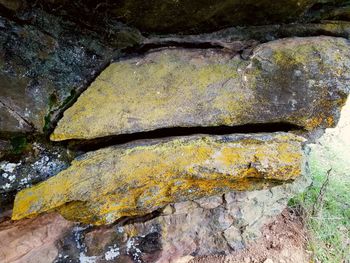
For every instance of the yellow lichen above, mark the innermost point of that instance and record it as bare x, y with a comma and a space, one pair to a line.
128, 181
166, 90
187, 88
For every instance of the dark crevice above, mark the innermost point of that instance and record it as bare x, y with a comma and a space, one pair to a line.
138, 219
19, 117
94, 144
234, 47
143, 48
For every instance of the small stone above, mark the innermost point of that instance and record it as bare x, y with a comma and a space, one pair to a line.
210, 202
268, 260
168, 210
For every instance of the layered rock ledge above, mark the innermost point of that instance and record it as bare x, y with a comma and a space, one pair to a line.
132, 180
300, 81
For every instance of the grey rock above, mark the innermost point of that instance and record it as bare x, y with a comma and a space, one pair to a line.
38, 162
45, 61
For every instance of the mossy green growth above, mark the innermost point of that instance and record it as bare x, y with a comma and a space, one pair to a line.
53, 107
19, 144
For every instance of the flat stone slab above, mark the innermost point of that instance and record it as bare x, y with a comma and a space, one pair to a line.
300, 81
135, 179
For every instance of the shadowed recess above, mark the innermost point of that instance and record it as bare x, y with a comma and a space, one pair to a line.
95, 144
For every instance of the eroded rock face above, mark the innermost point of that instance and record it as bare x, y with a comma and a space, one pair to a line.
283, 81
136, 179
164, 199
211, 225
32, 240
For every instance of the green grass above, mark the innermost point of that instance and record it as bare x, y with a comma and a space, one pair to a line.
326, 212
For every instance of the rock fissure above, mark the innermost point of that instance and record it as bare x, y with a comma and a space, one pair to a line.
29, 127
95, 144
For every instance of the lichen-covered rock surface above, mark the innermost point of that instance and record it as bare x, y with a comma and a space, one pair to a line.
159, 130
39, 161
207, 226
132, 180
284, 81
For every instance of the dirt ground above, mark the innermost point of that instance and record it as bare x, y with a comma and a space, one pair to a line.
283, 241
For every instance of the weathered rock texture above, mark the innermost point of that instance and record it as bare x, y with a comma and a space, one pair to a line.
108, 184
32, 240
45, 61
214, 225
39, 161
301, 81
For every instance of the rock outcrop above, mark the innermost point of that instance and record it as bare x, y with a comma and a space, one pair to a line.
210, 225
282, 82
43, 67
163, 145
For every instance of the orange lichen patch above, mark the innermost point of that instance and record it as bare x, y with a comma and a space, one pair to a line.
330, 121
133, 180
325, 117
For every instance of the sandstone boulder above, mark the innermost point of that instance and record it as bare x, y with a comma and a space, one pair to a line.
300, 81
134, 179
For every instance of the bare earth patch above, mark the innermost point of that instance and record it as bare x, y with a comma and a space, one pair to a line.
283, 241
